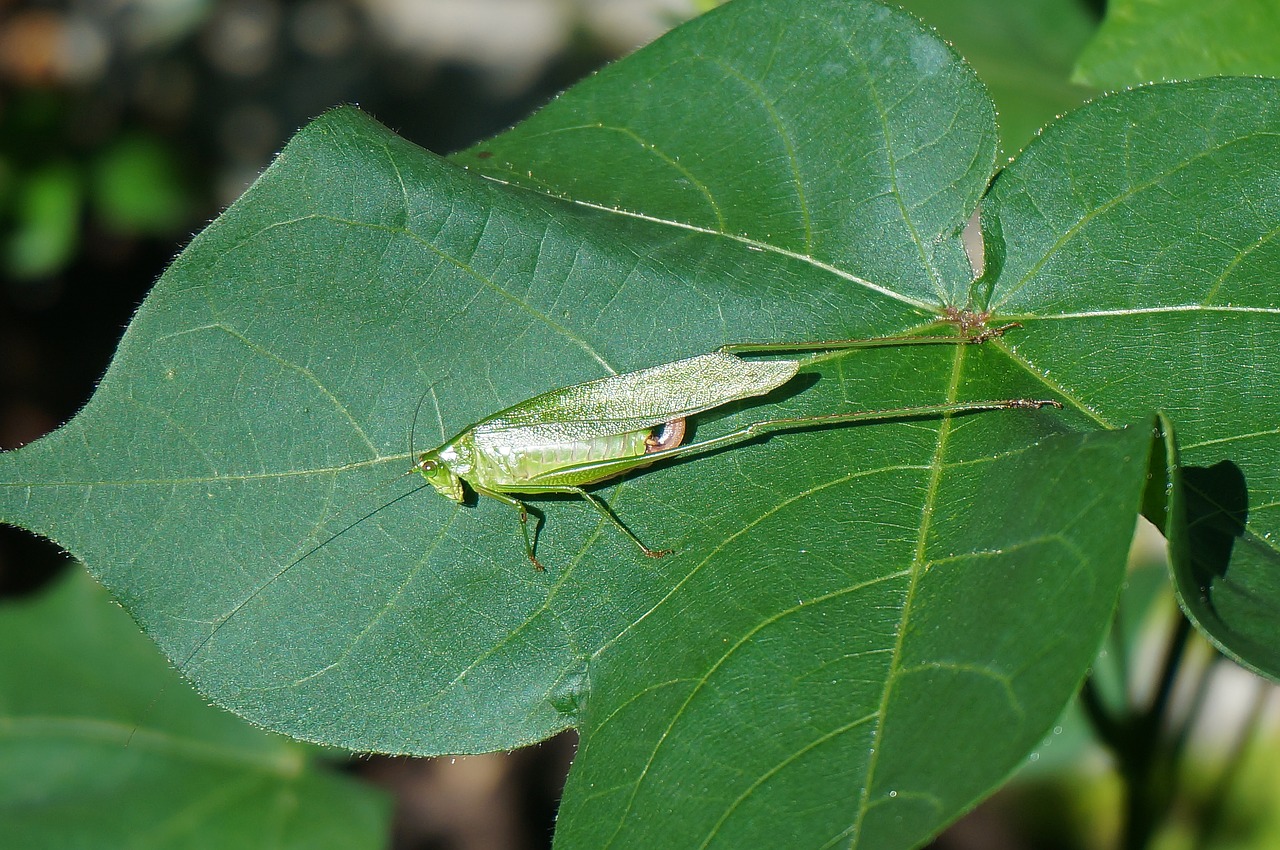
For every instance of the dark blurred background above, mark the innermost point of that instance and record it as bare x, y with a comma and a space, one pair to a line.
127, 125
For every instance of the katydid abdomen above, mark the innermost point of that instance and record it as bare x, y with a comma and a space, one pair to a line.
505, 465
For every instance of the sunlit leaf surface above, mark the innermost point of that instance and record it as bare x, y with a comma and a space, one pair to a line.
862, 630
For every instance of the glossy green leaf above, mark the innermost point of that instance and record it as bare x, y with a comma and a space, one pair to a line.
1138, 238
839, 139
1143, 41
862, 630
1024, 53
1225, 565
101, 745
885, 697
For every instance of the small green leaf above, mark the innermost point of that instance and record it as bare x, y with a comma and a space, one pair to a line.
1143, 41
1227, 577
102, 746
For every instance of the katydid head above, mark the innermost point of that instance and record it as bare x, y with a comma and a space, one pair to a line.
439, 475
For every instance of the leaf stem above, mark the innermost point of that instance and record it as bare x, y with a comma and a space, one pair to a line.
1145, 759
1143, 741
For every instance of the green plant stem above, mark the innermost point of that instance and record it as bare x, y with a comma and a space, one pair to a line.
1147, 767
1105, 725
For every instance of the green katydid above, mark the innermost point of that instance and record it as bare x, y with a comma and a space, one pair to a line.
568, 438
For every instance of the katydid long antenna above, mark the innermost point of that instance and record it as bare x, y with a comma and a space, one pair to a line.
276, 576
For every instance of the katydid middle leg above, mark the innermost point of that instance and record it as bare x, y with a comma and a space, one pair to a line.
604, 511
593, 501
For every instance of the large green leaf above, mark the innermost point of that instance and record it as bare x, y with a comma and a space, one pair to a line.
1138, 239
1145, 40
862, 629
840, 140
884, 698
101, 745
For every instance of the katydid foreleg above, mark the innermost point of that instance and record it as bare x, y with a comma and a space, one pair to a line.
523, 513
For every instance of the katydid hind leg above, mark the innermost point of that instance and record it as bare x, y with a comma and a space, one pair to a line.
768, 426
756, 429
600, 470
